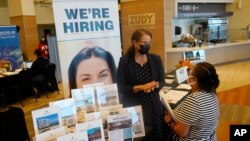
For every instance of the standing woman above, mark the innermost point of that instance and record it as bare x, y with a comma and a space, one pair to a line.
197, 116
140, 77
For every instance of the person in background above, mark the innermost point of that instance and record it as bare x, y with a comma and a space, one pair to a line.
197, 115
43, 47
38, 69
91, 65
140, 77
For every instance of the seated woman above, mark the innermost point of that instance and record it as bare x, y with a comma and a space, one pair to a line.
38, 69
197, 116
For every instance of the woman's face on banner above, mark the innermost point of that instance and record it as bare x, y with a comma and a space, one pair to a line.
93, 70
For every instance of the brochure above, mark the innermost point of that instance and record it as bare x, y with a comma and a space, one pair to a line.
107, 95
76, 136
93, 128
120, 127
85, 102
184, 86
167, 106
94, 85
51, 135
68, 113
46, 119
137, 120
173, 96
169, 81
113, 109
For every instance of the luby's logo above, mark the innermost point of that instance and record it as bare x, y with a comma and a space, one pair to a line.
141, 19
239, 132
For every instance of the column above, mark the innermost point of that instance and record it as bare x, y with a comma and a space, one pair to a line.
22, 13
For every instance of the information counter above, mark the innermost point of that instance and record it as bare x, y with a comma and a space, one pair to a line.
215, 54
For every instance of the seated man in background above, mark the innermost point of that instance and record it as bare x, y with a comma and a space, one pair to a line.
38, 69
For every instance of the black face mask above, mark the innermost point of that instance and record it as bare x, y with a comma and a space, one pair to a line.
144, 49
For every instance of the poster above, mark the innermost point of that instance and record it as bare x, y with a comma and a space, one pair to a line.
90, 25
10, 49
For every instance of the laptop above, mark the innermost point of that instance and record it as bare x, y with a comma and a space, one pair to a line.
28, 64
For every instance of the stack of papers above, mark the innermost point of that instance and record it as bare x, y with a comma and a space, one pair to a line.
173, 96
169, 81
184, 86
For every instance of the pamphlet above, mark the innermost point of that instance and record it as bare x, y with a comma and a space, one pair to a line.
113, 109
46, 119
137, 120
170, 76
93, 128
169, 81
68, 113
173, 96
51, 135
76, 136
94, 85
107, 95
85, 102
167, 106
184, 86
120, 127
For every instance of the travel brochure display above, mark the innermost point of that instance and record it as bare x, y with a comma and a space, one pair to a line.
137, 120
68, 113
85, 102
120, 127
76, 115
51, 135
113, 109
93, 128
77, 136
46, 119
107, 95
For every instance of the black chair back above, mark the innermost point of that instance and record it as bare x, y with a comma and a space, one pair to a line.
50, 71
13, 126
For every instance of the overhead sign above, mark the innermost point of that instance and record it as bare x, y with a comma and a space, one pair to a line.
187, 10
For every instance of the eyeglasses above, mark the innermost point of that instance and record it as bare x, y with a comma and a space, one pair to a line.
145, 43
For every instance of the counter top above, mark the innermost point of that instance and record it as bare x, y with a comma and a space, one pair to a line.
218, 45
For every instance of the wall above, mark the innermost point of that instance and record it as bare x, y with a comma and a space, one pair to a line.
44, 15
240, 18
4, 16
185, 25
157, 29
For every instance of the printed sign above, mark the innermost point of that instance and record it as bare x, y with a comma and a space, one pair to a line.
89, 44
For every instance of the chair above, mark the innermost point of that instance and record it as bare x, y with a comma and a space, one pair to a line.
50, 78
11, 90
26, 83
17, 86
13, 125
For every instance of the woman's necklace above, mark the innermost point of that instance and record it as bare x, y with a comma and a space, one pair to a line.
141, 60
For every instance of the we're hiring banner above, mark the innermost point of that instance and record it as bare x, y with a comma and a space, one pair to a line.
10, 49
87, 28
